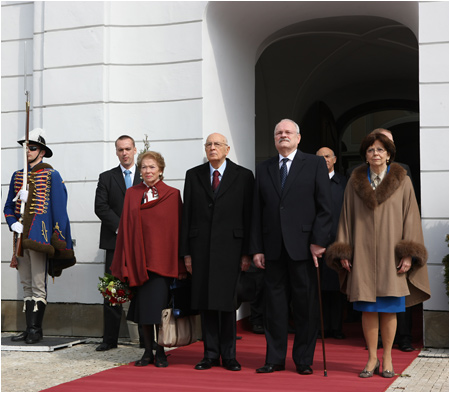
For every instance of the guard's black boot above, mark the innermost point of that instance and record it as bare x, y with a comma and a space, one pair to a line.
35, 332
28, 308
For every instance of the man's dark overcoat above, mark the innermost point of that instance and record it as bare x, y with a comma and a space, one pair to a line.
215, 233
330, 279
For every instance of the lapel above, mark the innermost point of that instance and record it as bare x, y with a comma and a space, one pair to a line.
296, 168
274, 172
118, 178
335, 179
294, 171
228, 178
205, 180
137, 176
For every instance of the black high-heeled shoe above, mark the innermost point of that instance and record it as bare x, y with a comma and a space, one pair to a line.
147, 358
161, 359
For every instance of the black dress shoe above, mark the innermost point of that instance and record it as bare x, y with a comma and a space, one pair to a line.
231, 364
405, 347
258, 329
161, 360
147, 358
207, 363
105, 347
304, 369
270, 368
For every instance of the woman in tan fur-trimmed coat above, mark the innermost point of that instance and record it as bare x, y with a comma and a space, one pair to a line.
379, 251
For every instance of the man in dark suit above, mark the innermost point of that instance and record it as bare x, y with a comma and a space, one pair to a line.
332, 299
109, 198
214, 243
291, 223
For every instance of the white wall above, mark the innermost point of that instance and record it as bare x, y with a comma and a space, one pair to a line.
98, 70
177, 71
434, 140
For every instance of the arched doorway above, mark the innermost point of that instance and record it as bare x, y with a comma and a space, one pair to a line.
327, 73
238, 35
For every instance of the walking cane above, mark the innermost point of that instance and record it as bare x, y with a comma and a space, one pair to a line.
321, 324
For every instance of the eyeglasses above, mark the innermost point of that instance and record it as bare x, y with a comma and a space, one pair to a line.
379, 150
209, 145
326, 156
33, 148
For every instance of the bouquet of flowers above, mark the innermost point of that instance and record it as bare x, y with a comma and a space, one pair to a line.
116, 291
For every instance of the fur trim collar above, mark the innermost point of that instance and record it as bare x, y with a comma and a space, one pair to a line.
384, 191
41, 165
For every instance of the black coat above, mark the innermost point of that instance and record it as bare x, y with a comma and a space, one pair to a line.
215, 233
300, 215
330, 279
109, 198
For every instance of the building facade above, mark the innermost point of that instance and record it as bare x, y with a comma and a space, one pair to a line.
178, 71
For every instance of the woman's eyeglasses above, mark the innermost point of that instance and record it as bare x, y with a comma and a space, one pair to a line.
379, 150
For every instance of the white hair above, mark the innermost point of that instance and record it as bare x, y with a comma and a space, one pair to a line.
292, 121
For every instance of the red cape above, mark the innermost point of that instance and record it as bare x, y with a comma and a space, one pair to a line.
148, 236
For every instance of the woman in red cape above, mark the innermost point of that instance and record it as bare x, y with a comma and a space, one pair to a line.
146, 254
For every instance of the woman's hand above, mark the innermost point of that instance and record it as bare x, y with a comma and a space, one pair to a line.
404, 265
346, 264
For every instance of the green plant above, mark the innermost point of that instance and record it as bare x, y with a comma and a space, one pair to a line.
146, 144
445, 263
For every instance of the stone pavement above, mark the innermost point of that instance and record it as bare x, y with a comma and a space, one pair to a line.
427, 373
35, 371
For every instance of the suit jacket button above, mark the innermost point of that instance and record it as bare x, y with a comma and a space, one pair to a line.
281, 207
211, 205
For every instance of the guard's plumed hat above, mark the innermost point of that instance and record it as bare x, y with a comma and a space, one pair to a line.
36, 137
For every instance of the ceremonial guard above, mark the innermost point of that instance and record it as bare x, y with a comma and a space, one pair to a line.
42, 237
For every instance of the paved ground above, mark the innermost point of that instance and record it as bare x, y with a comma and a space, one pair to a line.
24, 371
428, 373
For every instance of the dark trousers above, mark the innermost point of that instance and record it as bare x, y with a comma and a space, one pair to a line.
111, 314
219, 334
333, 305
257, 305
404, 327
286, 279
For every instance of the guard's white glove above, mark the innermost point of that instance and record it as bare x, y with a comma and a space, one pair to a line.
23, 195
17, 227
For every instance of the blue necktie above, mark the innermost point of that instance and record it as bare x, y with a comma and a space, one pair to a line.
127, 178
283, 172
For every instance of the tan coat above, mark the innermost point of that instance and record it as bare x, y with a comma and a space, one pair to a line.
376, 230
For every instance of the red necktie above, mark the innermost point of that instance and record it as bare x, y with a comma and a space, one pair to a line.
216, 181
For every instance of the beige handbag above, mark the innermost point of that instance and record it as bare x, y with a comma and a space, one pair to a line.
178, 332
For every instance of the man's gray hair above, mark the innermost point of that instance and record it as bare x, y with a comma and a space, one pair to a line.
292, 121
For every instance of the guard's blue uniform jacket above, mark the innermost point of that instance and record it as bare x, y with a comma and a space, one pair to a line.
46, 226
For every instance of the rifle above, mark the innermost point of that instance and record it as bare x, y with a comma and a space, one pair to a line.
18, 251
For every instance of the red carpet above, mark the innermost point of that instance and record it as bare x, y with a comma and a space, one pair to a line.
345, 359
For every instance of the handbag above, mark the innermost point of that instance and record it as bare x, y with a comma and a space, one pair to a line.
180, 325
178, 332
